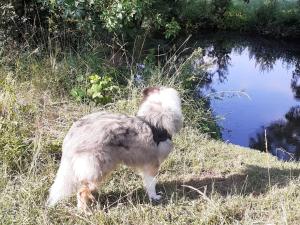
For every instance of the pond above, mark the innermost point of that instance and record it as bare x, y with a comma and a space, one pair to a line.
253, 86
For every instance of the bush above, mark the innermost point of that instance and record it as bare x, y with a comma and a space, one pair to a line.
74, 23
273, 18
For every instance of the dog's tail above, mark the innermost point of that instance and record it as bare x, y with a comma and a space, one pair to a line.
63, 185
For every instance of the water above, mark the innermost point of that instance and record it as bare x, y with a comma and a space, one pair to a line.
253, 87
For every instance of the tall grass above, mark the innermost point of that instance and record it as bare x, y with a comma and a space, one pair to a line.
35, 84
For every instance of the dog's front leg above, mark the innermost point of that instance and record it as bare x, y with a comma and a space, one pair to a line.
150, 183
149, 174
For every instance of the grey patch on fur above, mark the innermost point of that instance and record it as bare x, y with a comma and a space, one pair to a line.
121, 135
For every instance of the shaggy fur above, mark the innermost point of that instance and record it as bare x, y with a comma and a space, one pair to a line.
97, 143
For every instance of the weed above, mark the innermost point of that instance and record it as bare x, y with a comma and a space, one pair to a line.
101, 90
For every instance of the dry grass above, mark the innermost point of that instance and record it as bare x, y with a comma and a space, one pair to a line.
203, 181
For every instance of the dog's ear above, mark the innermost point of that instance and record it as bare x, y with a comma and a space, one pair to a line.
149, 90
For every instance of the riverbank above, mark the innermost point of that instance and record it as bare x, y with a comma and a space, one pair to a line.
204, 181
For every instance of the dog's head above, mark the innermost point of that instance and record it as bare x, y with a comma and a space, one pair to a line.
162, 107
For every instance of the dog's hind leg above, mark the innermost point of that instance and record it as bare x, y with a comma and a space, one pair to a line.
149, 174
88, 173
84, 195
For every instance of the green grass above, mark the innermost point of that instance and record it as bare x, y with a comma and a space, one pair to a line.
203, 181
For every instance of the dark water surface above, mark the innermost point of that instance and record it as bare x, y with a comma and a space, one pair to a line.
254, 85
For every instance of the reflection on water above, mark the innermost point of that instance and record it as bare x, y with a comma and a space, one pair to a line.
283, 136
255, 85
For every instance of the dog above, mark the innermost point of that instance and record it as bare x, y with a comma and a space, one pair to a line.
97, 143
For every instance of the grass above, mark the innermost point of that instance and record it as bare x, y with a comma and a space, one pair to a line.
204, 181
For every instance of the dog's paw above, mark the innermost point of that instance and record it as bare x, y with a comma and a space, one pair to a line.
155, 197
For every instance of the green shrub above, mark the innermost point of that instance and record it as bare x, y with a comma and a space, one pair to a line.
268, 17
172, 29
100, 90
236, 18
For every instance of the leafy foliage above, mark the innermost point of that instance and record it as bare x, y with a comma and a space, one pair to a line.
272, 18
172, 29
100, 90
73, 22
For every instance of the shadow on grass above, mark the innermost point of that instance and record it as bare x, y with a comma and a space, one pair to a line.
253, 180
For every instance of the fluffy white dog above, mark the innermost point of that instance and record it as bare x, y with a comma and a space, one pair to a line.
97, 143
